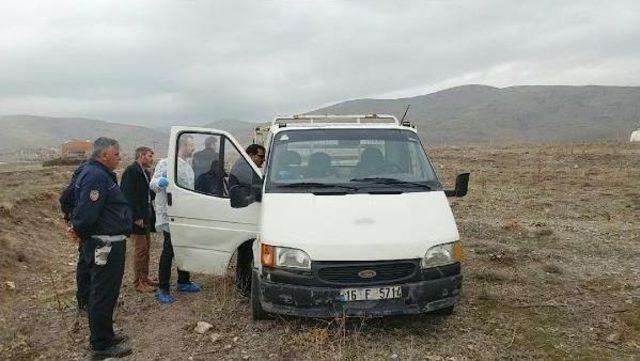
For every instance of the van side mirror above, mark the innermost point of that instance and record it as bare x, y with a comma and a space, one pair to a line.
242, 195
462, 186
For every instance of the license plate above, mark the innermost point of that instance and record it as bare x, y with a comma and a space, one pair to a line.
370, 293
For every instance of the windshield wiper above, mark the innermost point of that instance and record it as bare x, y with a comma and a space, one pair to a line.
390, 181
316, 185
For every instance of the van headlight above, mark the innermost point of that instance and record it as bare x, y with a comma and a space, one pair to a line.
284, 257
443, 254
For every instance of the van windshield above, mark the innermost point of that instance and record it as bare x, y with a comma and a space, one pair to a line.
349, 160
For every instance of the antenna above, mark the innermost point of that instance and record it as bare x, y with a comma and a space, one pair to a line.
405, 113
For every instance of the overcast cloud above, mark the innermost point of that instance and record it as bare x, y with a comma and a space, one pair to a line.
171, 62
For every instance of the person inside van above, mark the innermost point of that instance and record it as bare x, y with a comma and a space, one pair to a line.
371, 163
319, 166
209, 182
241, 172
289, 165
202, 159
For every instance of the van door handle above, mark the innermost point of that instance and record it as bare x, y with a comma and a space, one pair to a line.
169, 199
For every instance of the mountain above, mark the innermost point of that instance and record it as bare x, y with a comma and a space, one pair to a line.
480, 114
465, 114
27, 132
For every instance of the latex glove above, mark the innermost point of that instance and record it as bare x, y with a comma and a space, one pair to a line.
163, 182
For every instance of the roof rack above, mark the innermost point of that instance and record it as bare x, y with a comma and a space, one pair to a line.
335, 119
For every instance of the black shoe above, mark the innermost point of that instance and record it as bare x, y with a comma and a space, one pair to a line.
119, 338
111, 351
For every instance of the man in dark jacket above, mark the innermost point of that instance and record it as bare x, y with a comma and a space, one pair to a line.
210, 182
135, 187
241, 172
202, 159
102, 220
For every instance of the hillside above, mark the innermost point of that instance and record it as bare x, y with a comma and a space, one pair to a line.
480, 114
465, 114
32, 132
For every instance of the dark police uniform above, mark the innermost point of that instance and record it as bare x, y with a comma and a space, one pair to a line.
101, 218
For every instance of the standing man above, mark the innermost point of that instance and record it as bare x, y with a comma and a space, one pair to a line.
202, 160
102, 219
257, 154
135, 187
241, 172
159, 183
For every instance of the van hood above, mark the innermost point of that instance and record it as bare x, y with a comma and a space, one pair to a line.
358, 227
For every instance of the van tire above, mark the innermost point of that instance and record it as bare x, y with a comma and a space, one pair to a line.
447, 311
257, 312
244, 268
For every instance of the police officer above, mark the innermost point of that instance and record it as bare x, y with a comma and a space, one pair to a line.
102, 219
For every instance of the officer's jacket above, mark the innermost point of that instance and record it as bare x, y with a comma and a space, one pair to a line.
100, 209
67, 197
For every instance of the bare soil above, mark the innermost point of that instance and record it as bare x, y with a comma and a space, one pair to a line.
552, 242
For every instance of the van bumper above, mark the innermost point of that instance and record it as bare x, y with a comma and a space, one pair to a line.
306, 301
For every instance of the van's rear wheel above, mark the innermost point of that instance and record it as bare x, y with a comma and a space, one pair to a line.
257, 313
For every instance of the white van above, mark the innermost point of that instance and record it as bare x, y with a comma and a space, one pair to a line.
346, 217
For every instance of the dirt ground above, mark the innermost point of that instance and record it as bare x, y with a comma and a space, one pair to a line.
552, 243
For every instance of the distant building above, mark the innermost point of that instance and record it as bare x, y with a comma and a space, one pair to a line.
47, 153
76, 149
260, 134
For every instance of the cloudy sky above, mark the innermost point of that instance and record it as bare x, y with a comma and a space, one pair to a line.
172, 62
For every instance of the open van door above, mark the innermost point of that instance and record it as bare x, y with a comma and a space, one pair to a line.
205, 229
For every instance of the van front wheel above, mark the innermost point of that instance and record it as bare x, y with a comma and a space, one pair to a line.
244, 262
447, 311
257, 313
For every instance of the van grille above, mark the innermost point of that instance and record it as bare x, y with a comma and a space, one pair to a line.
348, 272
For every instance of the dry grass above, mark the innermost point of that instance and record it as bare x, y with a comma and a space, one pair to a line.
552, 242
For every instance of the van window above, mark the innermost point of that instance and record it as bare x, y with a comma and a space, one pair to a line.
196, 158
361, 158
210, 164
237, 169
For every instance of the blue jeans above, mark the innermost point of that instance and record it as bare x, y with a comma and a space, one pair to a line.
164, 267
